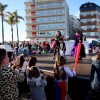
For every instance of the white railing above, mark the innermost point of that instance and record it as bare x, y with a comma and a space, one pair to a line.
29, 34
44, 35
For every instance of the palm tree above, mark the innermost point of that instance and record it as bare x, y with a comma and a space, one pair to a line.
2, 8
17, 18
11, 21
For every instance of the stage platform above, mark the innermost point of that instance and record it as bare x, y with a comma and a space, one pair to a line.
79, 86
45, 62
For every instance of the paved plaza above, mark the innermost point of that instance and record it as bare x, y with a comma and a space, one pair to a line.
83, 68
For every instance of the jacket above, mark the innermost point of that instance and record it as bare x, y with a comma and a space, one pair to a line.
8, 83
95, 75
37, 88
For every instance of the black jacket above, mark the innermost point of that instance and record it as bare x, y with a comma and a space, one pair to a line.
63, 46
95, 75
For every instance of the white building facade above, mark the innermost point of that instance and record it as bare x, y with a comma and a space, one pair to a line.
45, 17
74, 23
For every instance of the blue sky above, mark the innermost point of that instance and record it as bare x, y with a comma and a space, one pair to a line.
20, 6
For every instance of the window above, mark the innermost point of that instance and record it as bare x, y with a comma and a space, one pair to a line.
60, 11
90, 5
60, 18
88, 34
49, 12
84, 27
84, 20
41, 6
85, 5
50, 19
49, 5
84, 33
84, 14
92, 34
93, 19
40, 13
40, 20
92, 27
59, 4
51, 26
92, 13
45, 12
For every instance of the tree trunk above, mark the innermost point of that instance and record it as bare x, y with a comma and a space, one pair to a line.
2, 29
17, 33
12, 35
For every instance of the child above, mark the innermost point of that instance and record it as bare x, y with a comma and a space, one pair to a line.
60, 69
61, 73
36, 84
32, 63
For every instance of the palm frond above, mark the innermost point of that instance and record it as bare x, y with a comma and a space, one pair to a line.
10, 19
2, 7
20, 17
9, 13
17, 17
15, 13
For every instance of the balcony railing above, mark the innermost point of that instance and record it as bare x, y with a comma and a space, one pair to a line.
44, 35
30, 15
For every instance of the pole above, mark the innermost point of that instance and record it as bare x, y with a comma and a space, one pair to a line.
77, 55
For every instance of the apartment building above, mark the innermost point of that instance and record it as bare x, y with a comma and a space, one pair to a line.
90, 19
45, 17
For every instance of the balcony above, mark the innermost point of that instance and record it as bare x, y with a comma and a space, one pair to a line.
29, 34
45, 8
40, 16
45, 22
30, 15
45, 35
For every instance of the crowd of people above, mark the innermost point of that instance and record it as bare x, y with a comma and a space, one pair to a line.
23, 72
28, 48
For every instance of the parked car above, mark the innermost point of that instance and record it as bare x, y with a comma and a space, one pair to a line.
95, 42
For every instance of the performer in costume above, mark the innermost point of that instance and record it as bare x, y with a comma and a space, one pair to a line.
78, 38
57, 44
